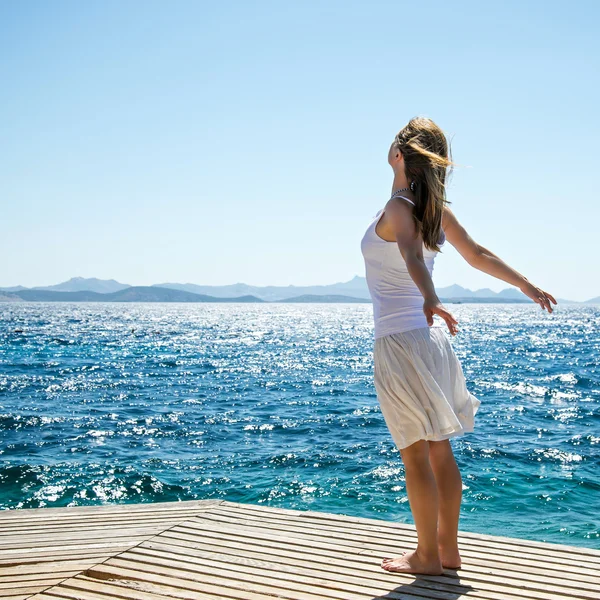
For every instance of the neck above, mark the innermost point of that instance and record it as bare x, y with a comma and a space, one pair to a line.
400, 182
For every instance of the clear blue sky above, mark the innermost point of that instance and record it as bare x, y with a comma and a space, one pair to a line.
216, 143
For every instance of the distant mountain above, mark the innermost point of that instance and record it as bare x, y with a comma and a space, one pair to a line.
356, 287
83, 284
514, 293
8, 297
130, 294
14, 288
454, 291
457, 291
483, 300
350, 291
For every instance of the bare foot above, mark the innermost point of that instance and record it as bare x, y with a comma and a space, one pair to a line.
450, 557
411, 562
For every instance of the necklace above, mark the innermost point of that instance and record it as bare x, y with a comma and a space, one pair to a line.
406, 189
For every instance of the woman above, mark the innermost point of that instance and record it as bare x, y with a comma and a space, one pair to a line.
419, 381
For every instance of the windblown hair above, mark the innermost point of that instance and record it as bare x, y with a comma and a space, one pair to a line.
428, 163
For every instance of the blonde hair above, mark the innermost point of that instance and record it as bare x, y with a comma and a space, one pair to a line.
428, 164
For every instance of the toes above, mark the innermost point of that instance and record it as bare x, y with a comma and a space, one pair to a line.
387, 563
388, 558
389, 566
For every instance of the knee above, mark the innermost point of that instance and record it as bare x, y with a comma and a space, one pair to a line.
440, 452
439, 447
416, 455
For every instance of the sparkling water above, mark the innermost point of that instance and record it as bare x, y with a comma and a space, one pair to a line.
274, 404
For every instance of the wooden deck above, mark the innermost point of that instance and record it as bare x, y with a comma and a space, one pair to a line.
208, 550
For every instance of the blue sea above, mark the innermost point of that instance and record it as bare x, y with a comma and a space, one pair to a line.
274, 404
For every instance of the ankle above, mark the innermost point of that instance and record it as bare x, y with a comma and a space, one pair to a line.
448, 541
425, 554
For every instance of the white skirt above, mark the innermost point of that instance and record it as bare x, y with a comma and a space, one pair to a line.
421, 387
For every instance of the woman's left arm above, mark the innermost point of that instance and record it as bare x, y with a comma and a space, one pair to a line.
485, 260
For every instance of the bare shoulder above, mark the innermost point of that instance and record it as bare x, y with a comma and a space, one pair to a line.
399, 215
400, 206
399, 226
448, 218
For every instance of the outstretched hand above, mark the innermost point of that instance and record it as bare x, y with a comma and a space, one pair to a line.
538, 295
434, 307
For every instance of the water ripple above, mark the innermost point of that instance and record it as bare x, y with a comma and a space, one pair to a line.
275, 404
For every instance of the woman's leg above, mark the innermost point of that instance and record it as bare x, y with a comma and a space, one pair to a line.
449, 485
423, 498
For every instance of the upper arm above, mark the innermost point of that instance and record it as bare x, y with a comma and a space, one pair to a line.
458, 236
400, 216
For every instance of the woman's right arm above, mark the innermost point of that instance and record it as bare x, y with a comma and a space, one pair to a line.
485, 260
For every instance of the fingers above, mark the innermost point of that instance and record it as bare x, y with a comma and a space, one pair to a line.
452, 325
544, 302
544, 299
541, 297
452, 328
451, 322
448, 316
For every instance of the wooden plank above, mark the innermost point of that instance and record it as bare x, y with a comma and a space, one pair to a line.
160, 508
37, 544
324, 555
12, 555
508, 561
85, 589
19, 584
365, 543
30, 540
153, 590
231, 542
26, 571
234, 551
336, 576
62, 552
198, 580
282, 546
20, 595
259, 511
273, 577
408, 537
95, 522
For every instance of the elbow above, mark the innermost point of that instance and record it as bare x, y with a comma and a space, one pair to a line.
410, 256
475, 257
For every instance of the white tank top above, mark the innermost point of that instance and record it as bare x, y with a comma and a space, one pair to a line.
397, 301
